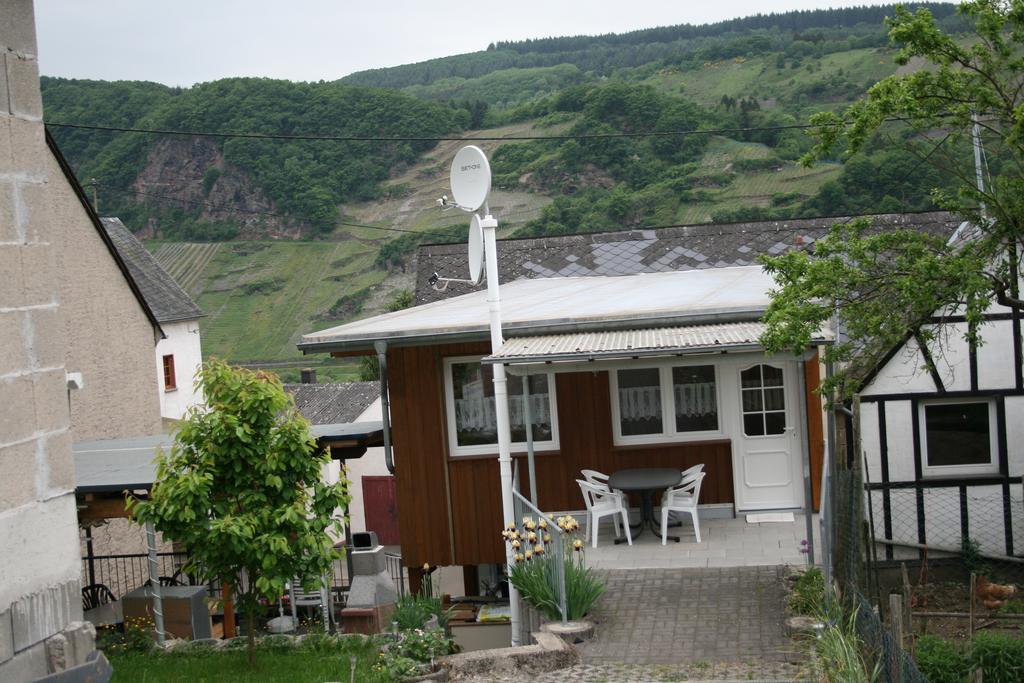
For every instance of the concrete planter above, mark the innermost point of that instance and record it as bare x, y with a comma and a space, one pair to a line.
439, 675
571, 632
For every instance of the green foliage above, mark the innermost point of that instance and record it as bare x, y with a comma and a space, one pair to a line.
939, 660
839, 651
999, 656
894, 281
209, 179
305, 179
412, 653
970, 553
884, 283
241, 489
136, 636
808, 592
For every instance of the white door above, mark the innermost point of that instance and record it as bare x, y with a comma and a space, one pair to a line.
766, 451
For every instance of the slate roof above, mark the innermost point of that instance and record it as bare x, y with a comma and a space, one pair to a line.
165, 297
628, 252
333, 403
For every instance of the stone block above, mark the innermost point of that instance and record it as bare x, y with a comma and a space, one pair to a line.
39, 222
25, 666
17, 419
47, 337
29, 153
24, 98
13, 354
5, 102
368, 562
9, 230
19, 32
61, 463
45, 613
39, 273
71, 647
18, 485
6, 636
12, 294
51, 400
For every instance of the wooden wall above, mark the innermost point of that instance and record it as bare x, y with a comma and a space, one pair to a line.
450, 508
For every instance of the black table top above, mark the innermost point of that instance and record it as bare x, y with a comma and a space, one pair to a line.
644, 479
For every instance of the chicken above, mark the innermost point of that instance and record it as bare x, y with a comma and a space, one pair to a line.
993, 595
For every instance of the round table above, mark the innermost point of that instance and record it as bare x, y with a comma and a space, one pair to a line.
646, 480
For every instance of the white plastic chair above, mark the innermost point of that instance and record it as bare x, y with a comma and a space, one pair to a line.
682, 498
600, 480
600, 503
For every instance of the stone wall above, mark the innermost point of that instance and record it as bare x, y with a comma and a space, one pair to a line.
40, 599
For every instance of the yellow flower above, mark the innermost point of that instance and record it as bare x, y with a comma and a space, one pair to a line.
547, 538
528, 554
543, 524
518, 557
426, 566
538, 549
531, 537
527, 520
516, 544
577, 544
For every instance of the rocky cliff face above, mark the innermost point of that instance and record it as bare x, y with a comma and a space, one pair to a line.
191, 173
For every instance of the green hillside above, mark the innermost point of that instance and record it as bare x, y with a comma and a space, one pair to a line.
279, 235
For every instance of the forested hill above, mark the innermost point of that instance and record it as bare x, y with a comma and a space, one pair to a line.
677, 125
825, 30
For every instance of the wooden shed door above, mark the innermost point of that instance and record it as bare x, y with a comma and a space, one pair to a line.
380, 504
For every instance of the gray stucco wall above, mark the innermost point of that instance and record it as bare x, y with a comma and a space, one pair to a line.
109, 338
40, 594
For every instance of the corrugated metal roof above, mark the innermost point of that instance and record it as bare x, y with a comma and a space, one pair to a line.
633, 343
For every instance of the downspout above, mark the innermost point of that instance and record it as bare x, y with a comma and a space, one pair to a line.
381, 347
825, 514
805, 445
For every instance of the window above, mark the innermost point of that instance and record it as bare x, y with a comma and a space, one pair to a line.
763, 401
472, 422
657, 404
170, 384
958, 437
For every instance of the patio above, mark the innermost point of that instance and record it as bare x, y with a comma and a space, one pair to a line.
725, 542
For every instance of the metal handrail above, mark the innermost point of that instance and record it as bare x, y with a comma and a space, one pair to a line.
524, 507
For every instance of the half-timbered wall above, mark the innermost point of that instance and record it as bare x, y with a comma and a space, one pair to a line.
914, 505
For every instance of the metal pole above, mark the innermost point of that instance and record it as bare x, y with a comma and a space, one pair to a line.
381, 347
805, 445
154, 580
490, 225
825, 517
528, 421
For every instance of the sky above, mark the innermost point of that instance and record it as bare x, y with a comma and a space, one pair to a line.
192, 41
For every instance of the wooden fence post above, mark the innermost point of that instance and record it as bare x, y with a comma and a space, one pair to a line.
896, 617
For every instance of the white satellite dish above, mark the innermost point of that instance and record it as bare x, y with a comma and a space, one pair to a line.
470, 178
476, 249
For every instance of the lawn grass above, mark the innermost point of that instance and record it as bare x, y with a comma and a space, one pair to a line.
284, 666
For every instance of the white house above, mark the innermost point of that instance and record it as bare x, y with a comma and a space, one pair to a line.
179, 353
942, 428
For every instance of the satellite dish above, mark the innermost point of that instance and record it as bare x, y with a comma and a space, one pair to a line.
476, 249
470, 178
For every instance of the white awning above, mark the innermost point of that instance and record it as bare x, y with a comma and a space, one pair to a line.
659, 341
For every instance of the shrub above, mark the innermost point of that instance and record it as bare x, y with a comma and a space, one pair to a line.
808, 593
999, 656
939, 660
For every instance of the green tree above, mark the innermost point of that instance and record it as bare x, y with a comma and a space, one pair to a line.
887, 285
241, 490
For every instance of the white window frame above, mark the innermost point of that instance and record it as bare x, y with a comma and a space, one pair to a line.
455, 450
991, 467
669, 434
786, 408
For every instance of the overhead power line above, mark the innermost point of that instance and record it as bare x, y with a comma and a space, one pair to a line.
445, 138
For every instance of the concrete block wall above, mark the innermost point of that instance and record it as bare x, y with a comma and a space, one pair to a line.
40, 592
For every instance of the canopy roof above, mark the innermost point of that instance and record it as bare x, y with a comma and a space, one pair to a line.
661, 341
565, 304
115, 465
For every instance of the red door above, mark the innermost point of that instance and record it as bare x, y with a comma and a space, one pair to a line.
380, 504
